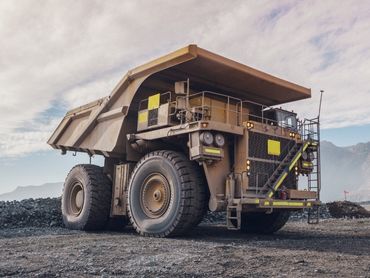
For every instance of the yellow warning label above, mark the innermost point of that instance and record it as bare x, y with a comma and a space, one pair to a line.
273, 147
212, 151
143, 116
288, 204
153, 101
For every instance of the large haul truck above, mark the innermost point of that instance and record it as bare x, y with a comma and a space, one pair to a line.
189, 132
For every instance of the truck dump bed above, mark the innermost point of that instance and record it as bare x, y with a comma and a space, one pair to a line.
100, 127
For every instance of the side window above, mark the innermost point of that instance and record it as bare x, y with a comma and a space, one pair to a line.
289, 121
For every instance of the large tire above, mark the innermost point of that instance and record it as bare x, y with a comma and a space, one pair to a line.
166, 195
201, 193
264, 223
86, 198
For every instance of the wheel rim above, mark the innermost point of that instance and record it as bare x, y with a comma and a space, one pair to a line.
76, 200
155, 195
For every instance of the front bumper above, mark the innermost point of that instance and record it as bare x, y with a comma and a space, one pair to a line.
273, 203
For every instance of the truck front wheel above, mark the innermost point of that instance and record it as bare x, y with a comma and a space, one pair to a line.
263, 223
86, 198
166, 195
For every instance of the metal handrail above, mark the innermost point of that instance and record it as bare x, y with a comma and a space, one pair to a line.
230, 103
309, 129
229, 100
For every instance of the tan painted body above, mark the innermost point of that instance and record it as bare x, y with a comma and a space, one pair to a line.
223, 97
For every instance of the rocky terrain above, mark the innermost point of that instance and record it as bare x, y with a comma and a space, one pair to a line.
347, 209
31, 213
46, 213
34, 243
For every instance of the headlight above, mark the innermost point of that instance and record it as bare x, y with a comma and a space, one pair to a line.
219, 140
304, 155
308, 156
311, 156
206, 138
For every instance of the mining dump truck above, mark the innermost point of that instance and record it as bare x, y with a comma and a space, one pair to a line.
186, 133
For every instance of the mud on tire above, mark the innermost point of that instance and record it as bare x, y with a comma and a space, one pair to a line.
86, 198
166, 195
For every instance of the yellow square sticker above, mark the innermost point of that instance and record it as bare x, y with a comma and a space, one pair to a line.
153, 101
143, 116
273, 147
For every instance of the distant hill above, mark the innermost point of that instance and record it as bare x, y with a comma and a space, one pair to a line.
33, 191
345, 168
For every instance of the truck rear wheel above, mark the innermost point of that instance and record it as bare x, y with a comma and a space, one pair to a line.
166, 195
86, 198
263, 223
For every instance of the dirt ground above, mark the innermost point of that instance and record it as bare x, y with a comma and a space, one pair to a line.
339, 248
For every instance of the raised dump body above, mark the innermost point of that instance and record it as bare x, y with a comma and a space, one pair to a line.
214, 118
99, 127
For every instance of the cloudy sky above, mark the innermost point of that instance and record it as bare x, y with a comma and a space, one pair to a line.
56, 55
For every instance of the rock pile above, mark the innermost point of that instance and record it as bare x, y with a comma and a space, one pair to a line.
303, 214
347, 209
31, 213
47, 213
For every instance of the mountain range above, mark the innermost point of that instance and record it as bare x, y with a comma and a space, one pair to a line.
343, 169
34, 191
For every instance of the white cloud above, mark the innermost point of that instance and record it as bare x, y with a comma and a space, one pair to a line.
22, 143
27, 140
68, 52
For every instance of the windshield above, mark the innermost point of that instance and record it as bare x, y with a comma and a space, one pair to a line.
286, 119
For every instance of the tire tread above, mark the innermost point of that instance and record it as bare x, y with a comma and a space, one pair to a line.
100, 187
193, 194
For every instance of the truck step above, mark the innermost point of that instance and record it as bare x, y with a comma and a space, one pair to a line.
254, 195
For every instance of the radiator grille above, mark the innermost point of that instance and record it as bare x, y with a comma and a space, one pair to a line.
258, 146
261, 171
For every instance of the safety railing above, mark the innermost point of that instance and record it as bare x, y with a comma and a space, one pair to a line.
208, 105
232, 108
310, 129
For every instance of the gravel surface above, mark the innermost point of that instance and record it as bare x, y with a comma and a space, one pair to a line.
335, 247
33, 243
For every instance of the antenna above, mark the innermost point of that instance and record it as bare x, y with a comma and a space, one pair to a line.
187, 93
321, 92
